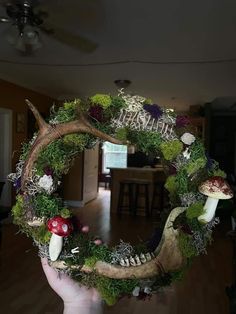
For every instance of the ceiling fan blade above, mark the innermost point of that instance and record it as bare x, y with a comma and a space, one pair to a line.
4, 20
70, 39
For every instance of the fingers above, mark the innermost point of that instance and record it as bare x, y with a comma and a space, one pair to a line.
50, 273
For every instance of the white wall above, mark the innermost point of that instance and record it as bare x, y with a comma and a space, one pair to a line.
5, 154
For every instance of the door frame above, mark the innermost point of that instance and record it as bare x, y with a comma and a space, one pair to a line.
6, 129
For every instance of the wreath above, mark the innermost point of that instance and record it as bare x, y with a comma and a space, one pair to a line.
194, 182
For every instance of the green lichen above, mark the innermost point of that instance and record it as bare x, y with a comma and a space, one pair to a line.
193, 166
194, 210
171, 149
185, 244
101, 99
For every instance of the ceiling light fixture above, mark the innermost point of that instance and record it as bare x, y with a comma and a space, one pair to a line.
122, 83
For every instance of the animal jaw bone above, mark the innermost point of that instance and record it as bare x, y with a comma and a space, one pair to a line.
167, 254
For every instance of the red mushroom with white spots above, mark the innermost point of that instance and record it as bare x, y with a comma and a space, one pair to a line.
59, 227
216, 188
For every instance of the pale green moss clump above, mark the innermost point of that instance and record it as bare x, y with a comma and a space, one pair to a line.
195, 210
171, 184
101, 99
171, 149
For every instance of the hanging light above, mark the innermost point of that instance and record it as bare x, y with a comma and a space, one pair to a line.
25, 39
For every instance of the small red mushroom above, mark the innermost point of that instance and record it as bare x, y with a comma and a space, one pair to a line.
59, 227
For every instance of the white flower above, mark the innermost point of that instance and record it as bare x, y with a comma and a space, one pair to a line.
46, 183
188, 138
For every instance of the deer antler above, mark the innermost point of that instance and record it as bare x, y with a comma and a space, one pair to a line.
49, 133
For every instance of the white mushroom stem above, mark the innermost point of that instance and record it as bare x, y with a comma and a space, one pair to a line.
55, 247
209, 210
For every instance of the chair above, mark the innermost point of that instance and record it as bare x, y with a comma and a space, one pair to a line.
139, 186
126, 188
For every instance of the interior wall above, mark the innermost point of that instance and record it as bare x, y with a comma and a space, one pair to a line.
13, 97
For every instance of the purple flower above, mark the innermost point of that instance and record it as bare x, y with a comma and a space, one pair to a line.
182, 121
154, 110
48, 171
209, 162
17, 184
96, 112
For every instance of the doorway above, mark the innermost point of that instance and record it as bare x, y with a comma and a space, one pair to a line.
5, 154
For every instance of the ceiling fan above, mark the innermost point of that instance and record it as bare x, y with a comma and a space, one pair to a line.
27, 27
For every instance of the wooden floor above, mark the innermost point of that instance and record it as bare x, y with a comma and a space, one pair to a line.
24, 290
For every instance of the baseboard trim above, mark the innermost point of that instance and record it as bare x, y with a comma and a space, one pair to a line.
73, 203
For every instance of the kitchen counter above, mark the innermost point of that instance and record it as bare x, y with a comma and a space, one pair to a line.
151, 175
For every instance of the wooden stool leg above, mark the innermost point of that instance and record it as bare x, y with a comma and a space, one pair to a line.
131, 198
146, 200
120, 199
136, 193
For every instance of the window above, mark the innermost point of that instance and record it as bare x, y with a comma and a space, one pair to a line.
113, 156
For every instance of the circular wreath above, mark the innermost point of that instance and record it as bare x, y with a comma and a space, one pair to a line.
194, 182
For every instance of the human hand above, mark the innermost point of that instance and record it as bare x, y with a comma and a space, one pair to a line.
77, 298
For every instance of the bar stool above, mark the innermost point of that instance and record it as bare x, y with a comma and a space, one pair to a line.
139, 186
157, 195
126, 187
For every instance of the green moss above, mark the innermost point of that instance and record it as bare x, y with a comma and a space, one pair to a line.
65, 213
25, 150
46, 205
66, 113
171, 149
101, 252
219, 173
197, 150
182, 181
171, 184
18, 210
91, 261
121, 134
111, 289
101, 99
72, 105
195, 165
41, 234
78, 140
186, 246
194, 210
148, 101
145, 141
57, 156
117, 103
